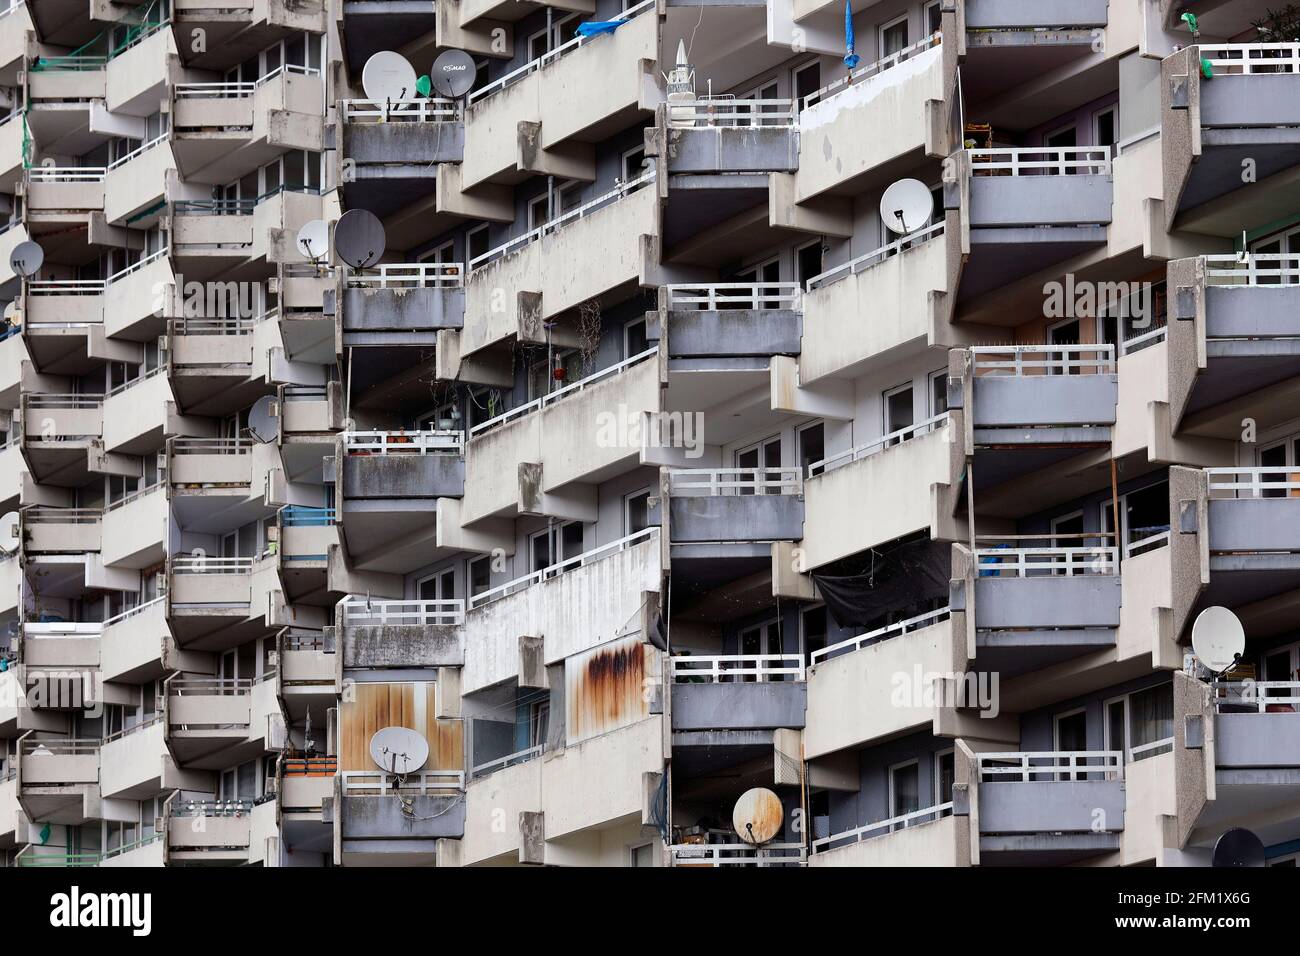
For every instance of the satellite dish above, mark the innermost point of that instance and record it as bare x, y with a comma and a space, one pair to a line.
906, 206
1238, 847
399, 750
1218, 638
314, 240
11, 312
388, 76
453, 73
757, 816
27, 258
359, 238
263, 422
11, 534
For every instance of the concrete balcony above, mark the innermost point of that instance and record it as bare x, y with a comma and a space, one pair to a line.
134, 643
1027, 209
540, 118
509, 470
729, 325
379, 633
58, 779
217, 603
1037, 606
211, 236
136, 414
136, 75
218, 466
371, 817
1049, 808
575, 604
239, 29
57, 433
133, 305
738, 692
149, 851
225, 130
217, 366
215, 722
59, 304
895, 290
848, 680
1246, 116
134, 186
308, 670
368, 26
716, 135
11, 158
1247, 534
913, 468
602, 247
64, 193
134, 531
61, 530
219, 833
390, 149
928, 837
402, 304
135, 764
16, 21
735, 504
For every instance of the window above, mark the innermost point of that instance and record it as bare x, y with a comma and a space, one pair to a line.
444, 254
642, 855
938, 392
808, 261
933, 18
811, 441
539, 716
904, 790
765, 273
805, 80
1137, 722
945, 775
636, 511
478, 572
763, 639
538, 209
1143, 514
1285, 456
542, 379
635, 340
813, 623
437, 587
1071, 736
561, 32
476, 243
1104, 124
893, 37
632, 160
765, 454
898, 409
555, 544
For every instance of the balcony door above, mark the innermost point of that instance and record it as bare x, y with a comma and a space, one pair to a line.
765, 639
1284, 456
1071, 737
764, 454
765, 273
904, 790
1283, 244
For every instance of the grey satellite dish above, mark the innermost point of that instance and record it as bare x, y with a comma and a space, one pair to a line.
263, 423
757, 816
1238, 847
27, 258
359, 238
906, 206
399, 750
1218, 638
314, 240
453, 73
388, 76
11, 534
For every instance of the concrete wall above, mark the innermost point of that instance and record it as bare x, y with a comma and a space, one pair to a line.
1250, 740
1087, 600
382, 817
1254, 524
403, 476
431, 645
732, 332
739, 706
1025, 14
1254, 100
419, 144
998, 201
732, 149
736, 518
1071, 806
1002, 400
1242, 311
368, 310
926, 844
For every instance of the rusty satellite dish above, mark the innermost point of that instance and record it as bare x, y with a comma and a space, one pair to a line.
399, 750
758, 816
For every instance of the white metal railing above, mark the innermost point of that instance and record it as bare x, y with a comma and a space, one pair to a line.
155, 718
66, 286
896, 629
560, 567
410, 275
203, 564
877, 445
873, 69
131, 612
1088, 358
435, 110
509, 760
135, 495
736, 668
725, 111
876, 256
734, 295
737, 854
1033, 562
49, 514
62, 747
238, 89
1243, 59
1040, 161
142, 148
62, 628
1046, 766
1258, 695
1252, 269
1260, 481
213, 325
716, 482
380, 783
368, 611
404, 442
131, 383
1149, 543
211, 446
561, 393
881, 827
551, 225
136, 266
63, 400
532, 66
213, 686
67, 174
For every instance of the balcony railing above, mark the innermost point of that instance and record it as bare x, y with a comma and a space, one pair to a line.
560, 567
67, 174
563, 49
1090, 359
1051, 766
876, 256
1264, 696
737, 854
211, 565
60, 629
238, 90
896, 629
404, 443
301, 516
135, 728
873, 69
131, 612
877, 445
311, 766
65, 747
63, 400
214, 808
358, 783
550, 226
30, 856
1252, 269
139, 150
882, 827
561, 393
1244, 59
134, 496
362, 612
736, 668
66, 286
1261, 481
509, 760
719, 296
47, 514
211, 446
434, 110
1036, 562
727, 112
1147, 542
716, 482
410, 275
1040, 161
133, 845
215, 686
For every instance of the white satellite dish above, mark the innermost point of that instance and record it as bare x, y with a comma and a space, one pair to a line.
757, 816
387, 77
906, 206
11, 534
263, 422
314, 240
399, 750
1218, 638
27, 258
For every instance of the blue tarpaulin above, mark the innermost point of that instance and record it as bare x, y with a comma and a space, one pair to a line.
593, 27
851, 58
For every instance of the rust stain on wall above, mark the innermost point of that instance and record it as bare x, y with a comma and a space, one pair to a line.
605, 688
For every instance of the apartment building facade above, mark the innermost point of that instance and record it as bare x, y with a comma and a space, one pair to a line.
650, 457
